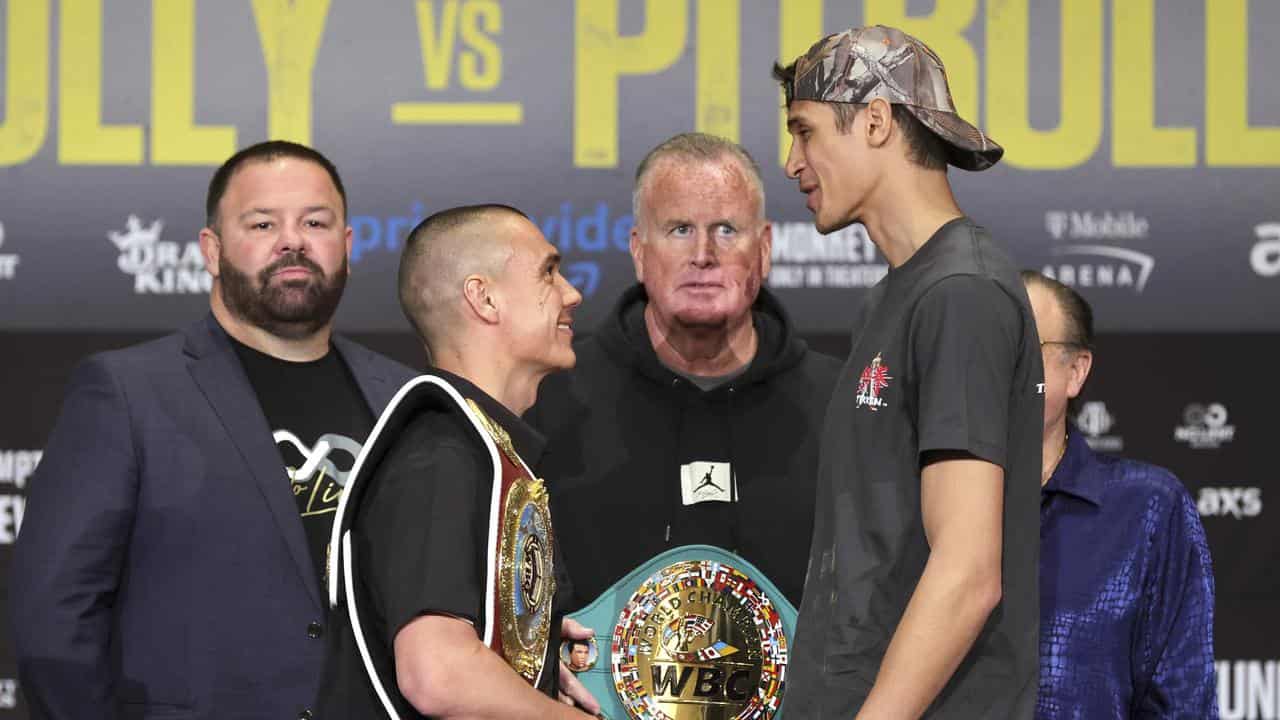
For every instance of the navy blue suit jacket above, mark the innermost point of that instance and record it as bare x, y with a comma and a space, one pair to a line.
162, 570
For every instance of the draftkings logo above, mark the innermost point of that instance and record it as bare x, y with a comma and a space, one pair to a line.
1087, 264
1248, 689
805, 258
8, 263
1265, 257
15, 467
1236, 502
1095, 421
159, 267
1204, 426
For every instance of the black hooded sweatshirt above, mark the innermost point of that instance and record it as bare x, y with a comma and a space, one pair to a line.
621, 425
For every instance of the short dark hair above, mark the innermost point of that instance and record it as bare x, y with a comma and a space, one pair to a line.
575, 643
924, 147
1076, 310
409, 284
265, 152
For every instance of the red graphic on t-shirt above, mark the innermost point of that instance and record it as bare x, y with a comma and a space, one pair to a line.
874, 378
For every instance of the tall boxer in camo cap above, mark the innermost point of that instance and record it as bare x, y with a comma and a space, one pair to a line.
921, 595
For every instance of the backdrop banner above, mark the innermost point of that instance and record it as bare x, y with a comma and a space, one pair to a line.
1143, 139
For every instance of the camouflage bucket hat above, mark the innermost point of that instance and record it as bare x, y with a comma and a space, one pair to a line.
861, 64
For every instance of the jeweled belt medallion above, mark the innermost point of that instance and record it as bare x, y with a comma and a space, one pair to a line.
699, 640
526, 580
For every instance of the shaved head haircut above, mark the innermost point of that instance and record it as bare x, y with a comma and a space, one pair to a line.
439, 254
697, 148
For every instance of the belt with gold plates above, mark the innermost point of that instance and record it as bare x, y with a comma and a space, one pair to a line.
520, 574
696, 633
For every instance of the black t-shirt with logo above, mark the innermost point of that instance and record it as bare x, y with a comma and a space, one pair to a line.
945, 358
319, 420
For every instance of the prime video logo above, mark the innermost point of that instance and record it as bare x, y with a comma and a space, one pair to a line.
574, 232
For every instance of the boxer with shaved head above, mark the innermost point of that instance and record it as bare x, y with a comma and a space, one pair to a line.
448, 567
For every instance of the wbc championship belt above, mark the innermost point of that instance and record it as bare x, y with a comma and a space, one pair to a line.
524, 562
696, 633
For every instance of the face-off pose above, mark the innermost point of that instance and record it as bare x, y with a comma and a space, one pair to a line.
449, 580
920, 597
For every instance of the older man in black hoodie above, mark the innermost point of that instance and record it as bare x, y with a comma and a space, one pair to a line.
693, 413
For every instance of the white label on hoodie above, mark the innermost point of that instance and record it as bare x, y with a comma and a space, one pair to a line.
706, 481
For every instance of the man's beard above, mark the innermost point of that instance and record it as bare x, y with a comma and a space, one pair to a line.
291, 309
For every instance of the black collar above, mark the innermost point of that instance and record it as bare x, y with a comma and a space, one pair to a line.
529, 443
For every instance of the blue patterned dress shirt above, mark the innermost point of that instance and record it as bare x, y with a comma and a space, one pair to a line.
1126, 593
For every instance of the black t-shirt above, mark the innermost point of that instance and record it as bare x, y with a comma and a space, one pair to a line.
319, 420
420, 541
944, 357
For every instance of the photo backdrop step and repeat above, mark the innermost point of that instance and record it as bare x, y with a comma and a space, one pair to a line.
1142, 167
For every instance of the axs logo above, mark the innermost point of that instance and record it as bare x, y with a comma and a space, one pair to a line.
1236, 502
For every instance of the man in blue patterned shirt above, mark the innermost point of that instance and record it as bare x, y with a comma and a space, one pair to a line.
1126, 587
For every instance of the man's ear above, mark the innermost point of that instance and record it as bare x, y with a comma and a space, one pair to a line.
347, 239
1078, 369
478, 293
879, 115
766, 250
637, 253
210, 248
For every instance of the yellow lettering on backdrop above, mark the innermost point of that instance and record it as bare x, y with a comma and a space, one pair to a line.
290, 31
437, 41
602, 57
1079, 129
719, 65
799, 27
1229, 139
479, 70
82, 137
1135, 139
175, 138
943, 31
480, 67
26, 83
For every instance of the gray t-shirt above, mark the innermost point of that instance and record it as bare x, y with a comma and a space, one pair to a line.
945, 357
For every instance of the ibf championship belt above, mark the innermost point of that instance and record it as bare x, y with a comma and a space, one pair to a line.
696, 633
524, 561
